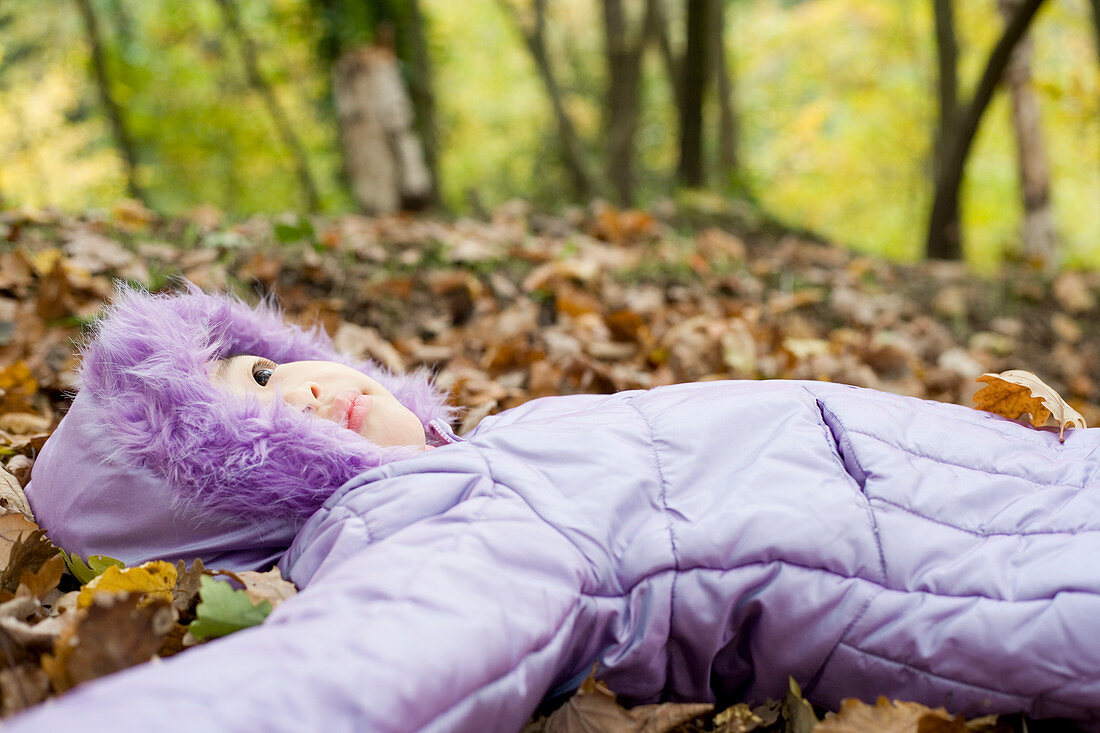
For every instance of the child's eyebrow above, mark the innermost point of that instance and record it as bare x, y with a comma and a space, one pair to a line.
221, 366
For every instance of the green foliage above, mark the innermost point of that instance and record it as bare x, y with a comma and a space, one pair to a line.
223, 610
836, 100
93, 568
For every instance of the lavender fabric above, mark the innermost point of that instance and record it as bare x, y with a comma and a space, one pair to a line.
153, 460
698, 541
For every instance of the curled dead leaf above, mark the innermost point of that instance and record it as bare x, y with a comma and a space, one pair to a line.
1015, 392
889, 716
12, 498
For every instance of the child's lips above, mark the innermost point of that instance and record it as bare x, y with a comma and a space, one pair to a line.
350, 409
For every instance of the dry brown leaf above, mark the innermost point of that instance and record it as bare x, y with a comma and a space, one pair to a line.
889, 716
14, 529
20, 467
1015, 392
21, 687
110, 635
12, 498
17, 385
268, 586
23, 423
42, 581
28, 554
594, 709
187, 585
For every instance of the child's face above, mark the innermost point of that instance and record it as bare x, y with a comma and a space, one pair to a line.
326, 390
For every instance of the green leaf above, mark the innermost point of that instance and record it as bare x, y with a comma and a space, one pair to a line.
223, 610
85, 572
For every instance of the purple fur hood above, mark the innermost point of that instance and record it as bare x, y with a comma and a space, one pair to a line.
154, 461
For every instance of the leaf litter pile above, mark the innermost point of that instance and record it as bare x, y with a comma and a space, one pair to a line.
519, 305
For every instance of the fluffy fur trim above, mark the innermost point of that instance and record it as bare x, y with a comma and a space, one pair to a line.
146, 365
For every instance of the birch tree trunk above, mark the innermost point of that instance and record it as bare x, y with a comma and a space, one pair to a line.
1038, 231
383, 155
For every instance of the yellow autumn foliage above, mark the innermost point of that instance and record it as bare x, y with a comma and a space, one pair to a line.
155, 579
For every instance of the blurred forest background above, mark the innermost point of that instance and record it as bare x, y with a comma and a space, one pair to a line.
850, 119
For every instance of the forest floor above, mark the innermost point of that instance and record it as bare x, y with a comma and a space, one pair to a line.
526, 304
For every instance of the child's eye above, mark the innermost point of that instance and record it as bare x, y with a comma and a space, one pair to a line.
262, 371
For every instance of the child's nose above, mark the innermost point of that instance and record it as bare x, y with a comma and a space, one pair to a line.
306, 395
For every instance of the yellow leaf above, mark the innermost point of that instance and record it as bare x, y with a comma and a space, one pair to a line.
1016, 391
156, 579
889, 716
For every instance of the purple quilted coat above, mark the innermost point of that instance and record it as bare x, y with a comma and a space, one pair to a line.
698, 541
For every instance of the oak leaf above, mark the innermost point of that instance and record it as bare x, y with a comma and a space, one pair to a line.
595, 709
114, 633
223, 610
1015, 392
889, 716
86, 571
155, 579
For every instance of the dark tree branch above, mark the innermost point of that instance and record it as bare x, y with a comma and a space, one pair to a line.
232, 18
942, 242
728, 124
696, 54
123, 140
571, 149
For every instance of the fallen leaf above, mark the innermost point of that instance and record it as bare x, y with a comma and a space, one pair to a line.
42, 581
14, 529
21, 687
23, 423
12, 498
17, 385
86, 571
797, 711
224, 610
113, 633
268, 586
594, 709
20, 467
889, 716
1016, 391
188, 584
154, 579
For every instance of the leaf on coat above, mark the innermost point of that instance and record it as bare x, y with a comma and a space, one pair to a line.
1016, 391
268, 586
594, 709
890, 716
154, 579
87, 571
114, 633
223, 610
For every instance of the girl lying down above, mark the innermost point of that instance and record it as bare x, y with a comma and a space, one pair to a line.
698, 542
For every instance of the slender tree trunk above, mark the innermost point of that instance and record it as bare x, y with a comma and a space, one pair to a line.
231, 15
696, 51
123, 140
728, 124
571, 149
673, 65
942, 243
624, 57
947, 55
423, 96
1039, 239
1096, 24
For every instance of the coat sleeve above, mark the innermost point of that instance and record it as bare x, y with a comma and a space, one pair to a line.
459, 621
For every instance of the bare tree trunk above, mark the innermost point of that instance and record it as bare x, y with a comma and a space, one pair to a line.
382, 153
942, 242
1039, 239
232, 18
696, 50
1096, 24
423, 97
624, 68
534, 36
673, 64
947, 55
123, 139
728, 124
